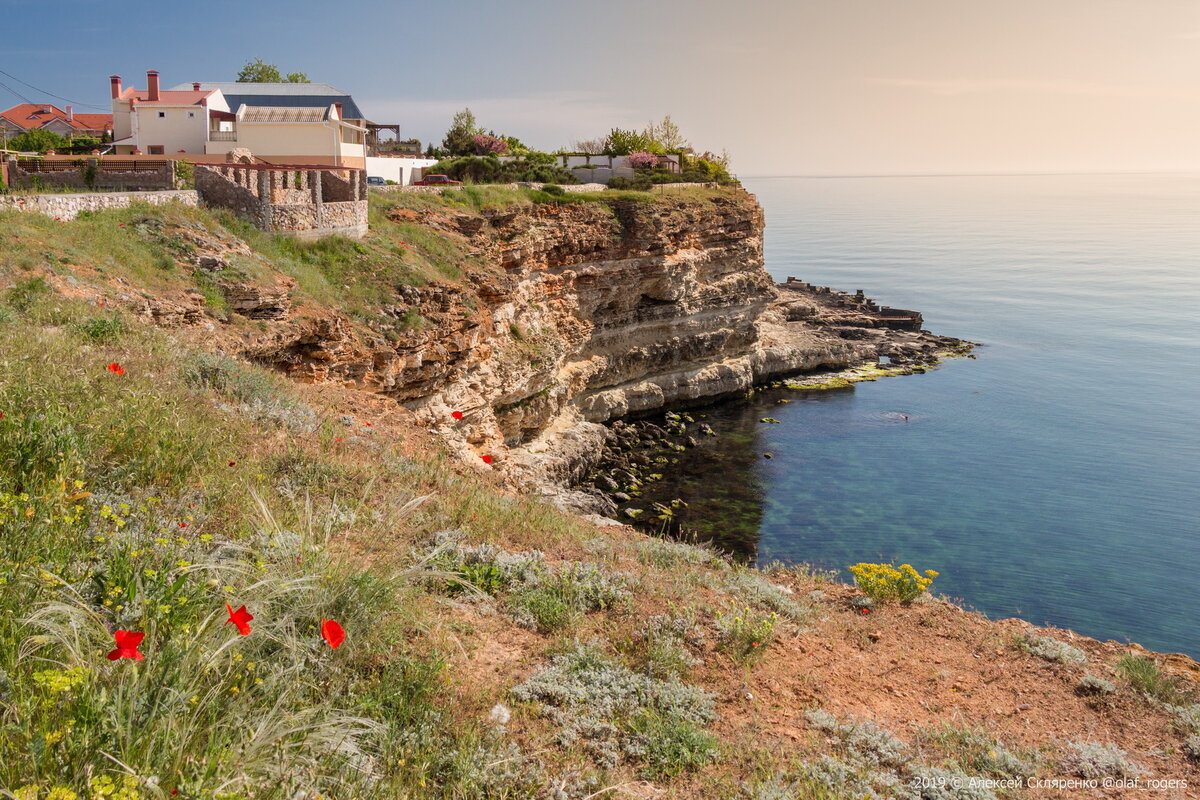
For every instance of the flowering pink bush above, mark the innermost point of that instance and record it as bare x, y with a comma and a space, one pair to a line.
485, 144
642, 160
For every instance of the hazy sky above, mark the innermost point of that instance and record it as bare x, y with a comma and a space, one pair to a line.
788, 87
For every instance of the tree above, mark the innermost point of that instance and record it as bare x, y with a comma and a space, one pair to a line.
592, 147
259, 71
623, 142
460, 138
667, 134
37, 141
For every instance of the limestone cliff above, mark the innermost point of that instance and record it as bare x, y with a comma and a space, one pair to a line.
589, 312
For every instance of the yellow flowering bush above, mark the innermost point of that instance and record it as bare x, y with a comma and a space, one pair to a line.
887, 583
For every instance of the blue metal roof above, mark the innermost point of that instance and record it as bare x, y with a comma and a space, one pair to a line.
282, 95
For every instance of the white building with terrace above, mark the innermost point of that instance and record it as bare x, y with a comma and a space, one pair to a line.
279, 123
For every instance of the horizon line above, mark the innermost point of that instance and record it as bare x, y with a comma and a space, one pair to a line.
1192, 170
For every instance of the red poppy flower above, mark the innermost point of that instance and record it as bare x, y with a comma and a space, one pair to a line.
487, 459
864, 611
100, 303
332, 633
241, 618
337, 438
183, 524
456, 414
116, 368
233, 463
127, 644
369, 425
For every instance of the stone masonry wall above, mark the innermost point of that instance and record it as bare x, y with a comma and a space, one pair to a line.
162, 178
308, 203
217, 190
68, 206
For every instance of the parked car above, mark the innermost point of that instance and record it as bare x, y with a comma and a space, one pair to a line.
436, 180
375, 180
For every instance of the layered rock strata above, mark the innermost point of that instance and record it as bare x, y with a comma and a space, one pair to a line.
591, 312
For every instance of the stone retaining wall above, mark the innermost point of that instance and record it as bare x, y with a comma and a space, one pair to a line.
308, 203
90, 174
68, 206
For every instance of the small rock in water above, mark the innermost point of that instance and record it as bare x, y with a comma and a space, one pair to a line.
767, 455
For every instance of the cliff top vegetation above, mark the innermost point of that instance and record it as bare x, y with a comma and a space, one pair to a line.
494, 646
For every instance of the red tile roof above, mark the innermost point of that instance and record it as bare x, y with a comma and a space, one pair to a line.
166, 98
29, 116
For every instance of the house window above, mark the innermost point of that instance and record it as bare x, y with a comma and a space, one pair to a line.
191, 115
162, 114
157, 149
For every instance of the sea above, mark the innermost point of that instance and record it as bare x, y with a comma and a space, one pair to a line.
1056, 476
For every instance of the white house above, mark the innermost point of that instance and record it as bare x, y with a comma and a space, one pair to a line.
201, 120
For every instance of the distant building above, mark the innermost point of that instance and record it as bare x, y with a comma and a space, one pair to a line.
42, 116
279, 123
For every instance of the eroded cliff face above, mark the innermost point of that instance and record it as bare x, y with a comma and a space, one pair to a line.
588, 312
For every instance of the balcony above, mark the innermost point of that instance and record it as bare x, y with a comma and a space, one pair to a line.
222, 136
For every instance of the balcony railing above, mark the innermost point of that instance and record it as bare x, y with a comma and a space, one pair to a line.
222, 136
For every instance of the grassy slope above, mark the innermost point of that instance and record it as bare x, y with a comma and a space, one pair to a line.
149, 500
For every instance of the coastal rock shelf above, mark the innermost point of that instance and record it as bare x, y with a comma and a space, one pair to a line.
578, 314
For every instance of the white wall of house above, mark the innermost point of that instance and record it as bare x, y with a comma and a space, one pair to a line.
401, 170
283, 139
174, 128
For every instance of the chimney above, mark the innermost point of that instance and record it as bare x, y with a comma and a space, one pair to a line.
195, 86
338, 106
70, 113
152, 84
115, 80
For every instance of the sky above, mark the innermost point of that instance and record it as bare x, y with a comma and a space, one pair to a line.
787, 87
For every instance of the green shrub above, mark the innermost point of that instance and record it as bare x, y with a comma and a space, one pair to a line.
671, 746
533, 168
1191, 748
1050, 649
976, 750
1090, 685
101, 330
24, 294
640, 183
1095, 760
1147, 677
864, 741
745, 634
554, 189
660, 647
618, 715
551, 602
751, 587
232, 379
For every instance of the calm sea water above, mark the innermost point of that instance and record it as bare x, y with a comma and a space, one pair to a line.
1056, 477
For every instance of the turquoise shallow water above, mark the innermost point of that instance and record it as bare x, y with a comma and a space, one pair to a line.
1055, 477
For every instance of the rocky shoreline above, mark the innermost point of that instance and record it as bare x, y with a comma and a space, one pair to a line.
889, 342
